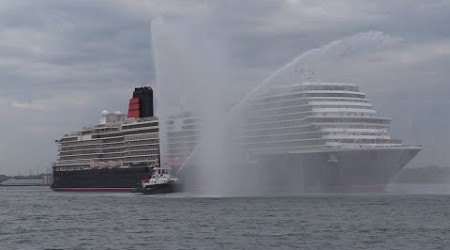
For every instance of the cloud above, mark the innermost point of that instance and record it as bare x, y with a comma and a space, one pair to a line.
78, 101
323, 16
420, 54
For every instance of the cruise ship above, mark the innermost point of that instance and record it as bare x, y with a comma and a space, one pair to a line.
308, 137
114, 155
329, 132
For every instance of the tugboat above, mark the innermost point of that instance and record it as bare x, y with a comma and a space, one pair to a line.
161, 182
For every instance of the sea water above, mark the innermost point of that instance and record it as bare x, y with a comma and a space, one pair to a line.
38, 218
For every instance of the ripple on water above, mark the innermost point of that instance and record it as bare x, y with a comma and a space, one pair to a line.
37, 218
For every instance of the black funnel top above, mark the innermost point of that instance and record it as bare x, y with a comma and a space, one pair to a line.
145, 95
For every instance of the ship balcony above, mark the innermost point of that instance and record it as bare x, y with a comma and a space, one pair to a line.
345, 136
363, 143
319, 120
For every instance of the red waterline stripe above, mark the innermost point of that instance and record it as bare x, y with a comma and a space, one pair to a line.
115, 190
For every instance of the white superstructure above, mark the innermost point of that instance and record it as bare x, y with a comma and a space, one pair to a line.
117, 142
314, 116
304, 117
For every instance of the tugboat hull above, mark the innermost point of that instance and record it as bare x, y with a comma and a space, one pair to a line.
163, 188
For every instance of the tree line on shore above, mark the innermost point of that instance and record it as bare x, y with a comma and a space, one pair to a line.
20, 177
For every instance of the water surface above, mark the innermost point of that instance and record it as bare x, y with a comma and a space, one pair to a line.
37, 218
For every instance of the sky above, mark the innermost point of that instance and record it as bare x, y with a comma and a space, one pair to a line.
63, 62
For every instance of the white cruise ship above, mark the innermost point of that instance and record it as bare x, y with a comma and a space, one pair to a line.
322, 136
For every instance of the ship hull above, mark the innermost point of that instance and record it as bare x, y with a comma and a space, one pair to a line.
164, 188
358, 170
100, 180
337, 171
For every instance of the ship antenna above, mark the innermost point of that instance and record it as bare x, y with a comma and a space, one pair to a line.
304, 73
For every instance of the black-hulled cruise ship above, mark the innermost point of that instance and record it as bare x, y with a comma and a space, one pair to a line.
114, 155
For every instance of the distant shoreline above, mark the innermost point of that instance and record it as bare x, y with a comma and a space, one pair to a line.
25, 185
